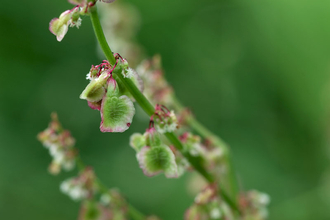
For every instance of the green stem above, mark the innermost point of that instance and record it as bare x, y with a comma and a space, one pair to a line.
100, 35
146, 105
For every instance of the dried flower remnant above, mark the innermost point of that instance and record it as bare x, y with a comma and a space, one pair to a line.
60, 144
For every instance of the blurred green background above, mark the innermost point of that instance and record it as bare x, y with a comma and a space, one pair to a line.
255, 72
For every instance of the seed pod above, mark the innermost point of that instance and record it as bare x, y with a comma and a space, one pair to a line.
157, 159
116, 112
137, 141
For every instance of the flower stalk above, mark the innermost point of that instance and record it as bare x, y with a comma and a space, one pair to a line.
195, 161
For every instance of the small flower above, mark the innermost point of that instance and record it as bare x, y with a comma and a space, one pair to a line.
60, 144
93, 73
130, 73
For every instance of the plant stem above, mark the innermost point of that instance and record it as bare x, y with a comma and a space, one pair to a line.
100, 35
196, 162
132, 211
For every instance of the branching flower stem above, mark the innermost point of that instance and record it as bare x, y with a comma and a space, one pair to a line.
132, 211
149, 108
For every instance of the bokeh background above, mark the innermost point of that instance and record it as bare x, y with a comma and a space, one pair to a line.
255, 72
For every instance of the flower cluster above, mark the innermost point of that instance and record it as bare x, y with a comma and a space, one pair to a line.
81, 187
153, 156
164, 119
103, 93
60, 144
254, 205
71, 18
209, 205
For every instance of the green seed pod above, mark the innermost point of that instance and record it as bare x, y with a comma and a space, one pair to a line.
154, 160
116, 112
137, 141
